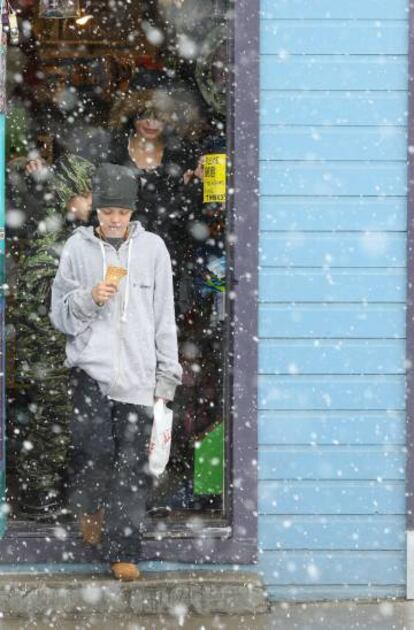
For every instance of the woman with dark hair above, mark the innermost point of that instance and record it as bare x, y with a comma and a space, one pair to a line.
151, 131
154, 132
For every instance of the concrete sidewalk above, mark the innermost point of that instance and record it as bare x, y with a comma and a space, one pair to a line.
384, 615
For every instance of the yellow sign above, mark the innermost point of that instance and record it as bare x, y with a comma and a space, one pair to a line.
214, 187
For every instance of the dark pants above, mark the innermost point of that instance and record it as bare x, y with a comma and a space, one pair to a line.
109, 465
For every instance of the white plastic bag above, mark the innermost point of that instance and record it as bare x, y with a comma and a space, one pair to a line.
160, 441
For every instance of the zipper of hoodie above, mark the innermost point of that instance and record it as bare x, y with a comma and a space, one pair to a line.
119, 326
119, 336
119, 331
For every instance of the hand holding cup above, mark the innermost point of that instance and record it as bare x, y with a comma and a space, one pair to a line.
103, 292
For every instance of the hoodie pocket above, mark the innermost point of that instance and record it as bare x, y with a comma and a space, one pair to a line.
100, 348
77, 346
86, 345
140, 364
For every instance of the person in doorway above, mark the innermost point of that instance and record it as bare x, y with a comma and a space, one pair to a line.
39, 425
151, 131
122, 348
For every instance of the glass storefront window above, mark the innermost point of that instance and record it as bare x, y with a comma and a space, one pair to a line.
147, 85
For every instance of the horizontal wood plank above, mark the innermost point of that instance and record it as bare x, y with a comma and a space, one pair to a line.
353, 285
326, 9
333, 108
313, 72
334, 37
330, 143
332, 497
332, 392
332, 532
366, 249
336, 567
338, 356
331, 428
332, 462
319, 321
333, 213
333, 178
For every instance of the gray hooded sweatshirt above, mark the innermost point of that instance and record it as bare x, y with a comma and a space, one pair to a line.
129, 345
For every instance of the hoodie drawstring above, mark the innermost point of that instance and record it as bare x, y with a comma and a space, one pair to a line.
124, 310
103, 258
126, 300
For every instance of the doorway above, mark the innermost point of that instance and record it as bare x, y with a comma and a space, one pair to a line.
74, 79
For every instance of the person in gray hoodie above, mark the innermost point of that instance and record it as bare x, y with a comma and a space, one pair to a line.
121, 343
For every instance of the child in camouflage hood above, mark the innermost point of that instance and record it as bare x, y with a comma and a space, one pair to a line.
41, 379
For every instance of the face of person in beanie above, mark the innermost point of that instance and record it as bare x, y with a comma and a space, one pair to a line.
113, 222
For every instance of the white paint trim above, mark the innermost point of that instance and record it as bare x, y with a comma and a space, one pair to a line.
410, 564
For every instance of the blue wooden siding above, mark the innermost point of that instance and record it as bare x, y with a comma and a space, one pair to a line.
332, 292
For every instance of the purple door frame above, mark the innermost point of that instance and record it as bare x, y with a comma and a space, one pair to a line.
237, 543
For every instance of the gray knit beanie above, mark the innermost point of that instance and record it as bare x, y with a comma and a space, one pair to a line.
114, 186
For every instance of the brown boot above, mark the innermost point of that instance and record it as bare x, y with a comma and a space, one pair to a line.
125, 571
91, 527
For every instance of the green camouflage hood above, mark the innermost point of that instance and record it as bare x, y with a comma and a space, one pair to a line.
72, 176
